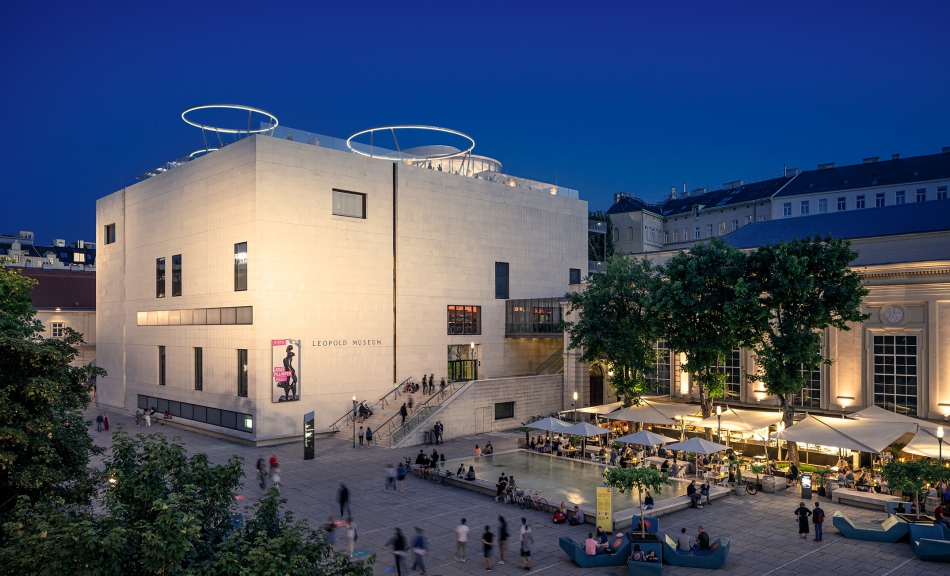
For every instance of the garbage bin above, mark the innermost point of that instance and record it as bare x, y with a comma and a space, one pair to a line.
427, 437
806, 486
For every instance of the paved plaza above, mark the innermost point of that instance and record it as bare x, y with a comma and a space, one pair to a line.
762, 528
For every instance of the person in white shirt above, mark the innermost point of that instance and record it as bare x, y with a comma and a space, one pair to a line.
461, 539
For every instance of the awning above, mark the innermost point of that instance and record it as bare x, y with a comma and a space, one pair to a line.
549, 425
879, 414
602, 409
586, 430
925, 443
645, 438
738, 420
865, 435
654, 413
698, 446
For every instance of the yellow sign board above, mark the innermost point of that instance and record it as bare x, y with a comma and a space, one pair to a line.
604, 508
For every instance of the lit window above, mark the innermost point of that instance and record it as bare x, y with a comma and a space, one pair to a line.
468, 319
822, 205
57, 329
349, 204
842, 203
240, 266
859, 201
79, 257
242, 373
921, 194
805, 208
787, 209
722, 228
748, 219
899, 197
879, 200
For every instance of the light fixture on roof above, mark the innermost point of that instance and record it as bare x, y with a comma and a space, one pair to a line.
59, 309
945, 408
844, 401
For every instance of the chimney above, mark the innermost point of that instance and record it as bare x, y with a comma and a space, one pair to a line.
895, 156
826, 166
872, 159
673, 192
619, 196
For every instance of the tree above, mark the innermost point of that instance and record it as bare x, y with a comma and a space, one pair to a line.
595, 248
163, 512
641, 478
803, 287
616, 324
706, 310
910, 477
44, 444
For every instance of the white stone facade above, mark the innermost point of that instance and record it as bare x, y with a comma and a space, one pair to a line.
319, 278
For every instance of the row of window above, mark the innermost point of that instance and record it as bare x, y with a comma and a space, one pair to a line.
653, 234
860, 201
199, 370
240, 271
197, 316
198, 413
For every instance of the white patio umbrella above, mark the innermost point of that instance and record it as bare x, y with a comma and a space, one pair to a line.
645, 438
549, 424
585, 431
654, 413
865, 435
698, 446
925, 443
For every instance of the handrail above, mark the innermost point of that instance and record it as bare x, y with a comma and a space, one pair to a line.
421, 412
348, 417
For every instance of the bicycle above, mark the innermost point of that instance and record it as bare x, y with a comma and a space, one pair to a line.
532, 498
750, 487
437, 476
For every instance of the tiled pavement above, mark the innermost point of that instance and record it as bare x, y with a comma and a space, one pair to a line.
762, 528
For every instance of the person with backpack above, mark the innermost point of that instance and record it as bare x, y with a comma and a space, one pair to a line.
818, 517
369, 436
637, 555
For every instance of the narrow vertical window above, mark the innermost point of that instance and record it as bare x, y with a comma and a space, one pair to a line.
242, 373
823, 206
879, 200
199, 369
240, 267
501, 280
900, 197
805, 208
787, 209
842, 203
859, 201
942, 193
708, 230
575, 276
110, 234
921, 194
696, 231
176, 275
159, 277
161, 365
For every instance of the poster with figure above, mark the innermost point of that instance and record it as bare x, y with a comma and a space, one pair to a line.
286, 372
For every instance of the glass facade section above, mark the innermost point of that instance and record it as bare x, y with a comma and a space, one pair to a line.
895, 373
810, 396
349, 204
733, 371
240, 266
159, 277
464, 320
242, 373
501, 280
662, 368
176, 275
533, 316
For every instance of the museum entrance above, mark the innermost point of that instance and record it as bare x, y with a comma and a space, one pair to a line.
596, 385
462, 362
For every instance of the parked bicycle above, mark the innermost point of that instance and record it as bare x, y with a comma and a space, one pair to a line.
532, 498
437, 476
750, 487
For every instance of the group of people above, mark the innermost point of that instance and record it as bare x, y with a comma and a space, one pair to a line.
490, 541
268, 470
425, 463
363, 412
685, 543
103, 420
487, 451
367, 434
600, 543
506, 488
556, 445
562, 515
147, 415
428, 385
696, 494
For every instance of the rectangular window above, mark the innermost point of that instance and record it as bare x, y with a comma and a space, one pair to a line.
501, 280
879, 200
810, 395
575, 276
899, 197
895, 373
733, 371
748, 219
676, 235
942, 193
464, 320
666, 237
616, 235
240, 266
176, 275
57, 329
822, 205
198, 413
722, 228
159, 277
242, 373
859, 202
79, 257
708, 230
842, 203
199, 369
805, 208
349, 204
696, 233
921, 194
110, 234
735, 225
504, 410
685, 235
661, 368
787, 209
161, 365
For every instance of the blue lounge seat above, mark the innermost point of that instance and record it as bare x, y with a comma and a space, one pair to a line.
928, 543
891, 506
581, 558
653, 524
635, 567
711, 559
891, 530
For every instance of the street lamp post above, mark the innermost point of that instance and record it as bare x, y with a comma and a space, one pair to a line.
575, 406
719, 418
353, 416
940, 445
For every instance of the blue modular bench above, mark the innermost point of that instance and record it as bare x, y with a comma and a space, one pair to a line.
891, 506
653, 524
645, 567
928, 543
891, 530
576, 552
712, 559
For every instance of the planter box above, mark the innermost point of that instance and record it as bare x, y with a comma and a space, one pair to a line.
772, 484
830, 487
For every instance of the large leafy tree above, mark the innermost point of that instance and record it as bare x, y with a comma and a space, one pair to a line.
44, 445
804, 287
163, 512
616, 324
707, 311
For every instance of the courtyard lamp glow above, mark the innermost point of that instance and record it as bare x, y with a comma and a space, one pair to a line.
575, 406
719, 418
354, 421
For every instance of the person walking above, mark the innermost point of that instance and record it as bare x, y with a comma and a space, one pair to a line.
502, 538
431, 383
410, 404
398, 542
425, 384
527, 541
343, 499
148, 418
461, 539
369, 436
487, 540
403, 412
262, 479
351, 536
401, 475
273, 464
105, 421
803, 513
419, 550
330, 527
390, 478
442, 385
99, 423
275, 475
362, 432
818, 517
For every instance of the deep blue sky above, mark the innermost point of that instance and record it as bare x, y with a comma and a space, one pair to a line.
634, 95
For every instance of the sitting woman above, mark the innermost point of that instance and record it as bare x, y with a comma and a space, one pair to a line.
488, 449
560, 515
547, 446
637, 555
665, 467
461, 471
648, 501
533, 445
470, 475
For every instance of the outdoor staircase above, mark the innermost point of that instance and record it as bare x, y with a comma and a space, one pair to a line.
553, 365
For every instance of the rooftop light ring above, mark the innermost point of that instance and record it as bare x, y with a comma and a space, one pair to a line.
221, 130
203, 151
349, 142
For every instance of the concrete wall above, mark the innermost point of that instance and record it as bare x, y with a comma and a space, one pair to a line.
82, 321
472, 409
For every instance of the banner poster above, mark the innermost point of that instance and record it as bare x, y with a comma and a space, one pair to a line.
286, 371
308, 436
604, 508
